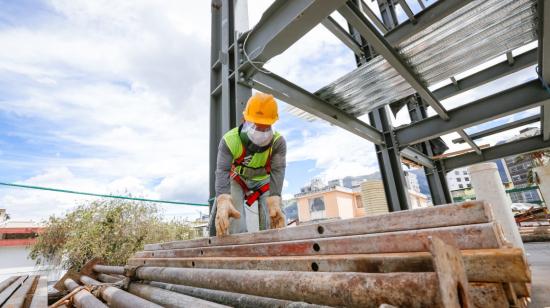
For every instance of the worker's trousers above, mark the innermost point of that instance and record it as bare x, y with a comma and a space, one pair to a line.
237, 194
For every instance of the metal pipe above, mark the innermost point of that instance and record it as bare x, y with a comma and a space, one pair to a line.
167, 298
83, 298
108, 278
334, 289
232, 299
116, 297
106, 269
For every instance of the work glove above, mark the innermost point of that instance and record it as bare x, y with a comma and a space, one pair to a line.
276, 215
225, 209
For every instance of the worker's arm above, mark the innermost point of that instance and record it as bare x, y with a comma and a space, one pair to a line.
278, 166
223, 166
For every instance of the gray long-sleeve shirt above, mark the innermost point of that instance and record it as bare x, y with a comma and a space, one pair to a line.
278, 165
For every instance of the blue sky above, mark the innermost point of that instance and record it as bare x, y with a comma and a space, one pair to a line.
112, 97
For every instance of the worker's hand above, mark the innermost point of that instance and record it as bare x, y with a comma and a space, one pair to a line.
225, 209
275, 213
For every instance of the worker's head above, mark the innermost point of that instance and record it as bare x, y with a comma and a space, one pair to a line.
260, 113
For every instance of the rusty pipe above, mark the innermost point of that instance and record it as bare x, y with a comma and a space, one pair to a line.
6, 283
83, 298
335, 289
232, 299
167, 298
108, 278
106, 269
116, 297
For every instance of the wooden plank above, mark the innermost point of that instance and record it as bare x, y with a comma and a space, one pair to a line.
454, 290
483, 265
471, 212
7, 293
465, 237
7, 282
40, 296
17, 299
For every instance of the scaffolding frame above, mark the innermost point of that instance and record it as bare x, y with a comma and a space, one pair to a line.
236, 69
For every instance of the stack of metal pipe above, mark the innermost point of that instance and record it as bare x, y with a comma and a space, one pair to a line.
361, 262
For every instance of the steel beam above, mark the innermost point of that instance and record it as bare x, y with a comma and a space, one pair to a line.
487, 75
469, 141
525, 145
407, 10
342, 35
501, 128
507, 102
282, 25
435, 174
302, 99
418, 157
354, 16
424, 19
365, 9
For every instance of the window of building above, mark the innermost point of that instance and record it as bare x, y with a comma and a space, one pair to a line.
460, 186
316, 204
458, 179
465, 172
467, 179
457, 172
469, 185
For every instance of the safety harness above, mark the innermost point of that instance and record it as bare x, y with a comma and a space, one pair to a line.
250, 195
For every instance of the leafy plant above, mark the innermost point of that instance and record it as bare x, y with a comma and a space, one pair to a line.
110, 229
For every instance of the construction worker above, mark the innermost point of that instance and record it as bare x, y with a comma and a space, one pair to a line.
251, 167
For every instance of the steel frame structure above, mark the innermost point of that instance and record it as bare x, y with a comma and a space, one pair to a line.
238, 53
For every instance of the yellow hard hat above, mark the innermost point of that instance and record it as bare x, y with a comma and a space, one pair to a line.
261, 108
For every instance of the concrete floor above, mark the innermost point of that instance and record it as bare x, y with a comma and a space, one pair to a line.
538, 255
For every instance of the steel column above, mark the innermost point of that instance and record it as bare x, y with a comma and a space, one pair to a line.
544, 62
228, 96
504, 103
435, 175
388, 154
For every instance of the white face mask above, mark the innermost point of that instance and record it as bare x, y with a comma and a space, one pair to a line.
260, 137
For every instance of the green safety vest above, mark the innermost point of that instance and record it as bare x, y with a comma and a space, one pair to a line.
254, 169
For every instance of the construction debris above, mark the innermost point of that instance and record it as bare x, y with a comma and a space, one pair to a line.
446, 256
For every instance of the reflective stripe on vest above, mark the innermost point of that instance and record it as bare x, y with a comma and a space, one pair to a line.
258, 160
